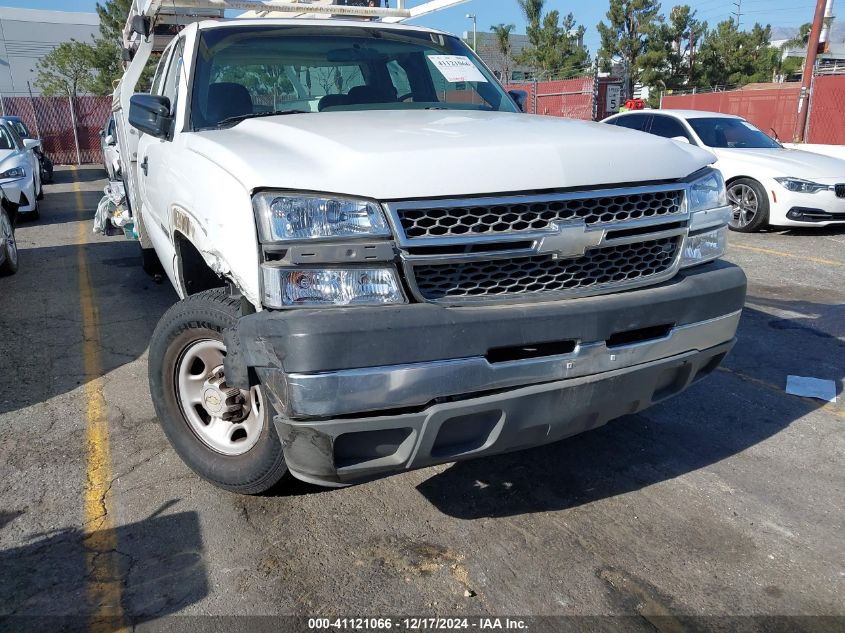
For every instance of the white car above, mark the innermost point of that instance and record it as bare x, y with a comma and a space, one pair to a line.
20, 171
768, 184
110, 149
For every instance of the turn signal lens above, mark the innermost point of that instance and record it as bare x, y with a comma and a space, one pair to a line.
286, 288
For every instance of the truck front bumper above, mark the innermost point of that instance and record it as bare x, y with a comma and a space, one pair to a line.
365, 391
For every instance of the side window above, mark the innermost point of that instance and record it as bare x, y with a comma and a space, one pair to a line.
158, 77
171, 81
633, 121
668, 127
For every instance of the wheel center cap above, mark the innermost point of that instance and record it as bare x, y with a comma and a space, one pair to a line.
213, 401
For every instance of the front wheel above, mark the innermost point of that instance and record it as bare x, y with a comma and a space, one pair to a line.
224, 434
9, 245
750, 205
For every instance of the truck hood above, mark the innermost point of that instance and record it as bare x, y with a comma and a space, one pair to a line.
391, 155
786, 162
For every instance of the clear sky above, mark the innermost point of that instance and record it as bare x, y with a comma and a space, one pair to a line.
588, 12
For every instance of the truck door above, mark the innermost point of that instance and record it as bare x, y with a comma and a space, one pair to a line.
154, 159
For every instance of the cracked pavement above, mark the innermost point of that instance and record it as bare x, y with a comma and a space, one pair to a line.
727, 500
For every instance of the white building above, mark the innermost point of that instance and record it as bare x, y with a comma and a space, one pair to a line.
27, 35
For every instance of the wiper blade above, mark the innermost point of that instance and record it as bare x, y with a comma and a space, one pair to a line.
232, 120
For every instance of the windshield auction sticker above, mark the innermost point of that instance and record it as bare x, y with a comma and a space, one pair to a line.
457, 68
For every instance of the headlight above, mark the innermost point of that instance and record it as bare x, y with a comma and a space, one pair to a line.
710, 214
799, 185
284, 217
287, 287
15, 172
708, 192
704, 247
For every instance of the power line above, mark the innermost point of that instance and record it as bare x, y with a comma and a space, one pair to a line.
738, 13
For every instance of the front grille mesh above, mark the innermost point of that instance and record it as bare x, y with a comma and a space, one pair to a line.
516, 217
840, 191
540, 274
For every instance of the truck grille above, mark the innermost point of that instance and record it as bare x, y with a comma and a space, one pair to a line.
540, 246
521, 216
840, 191
599, 268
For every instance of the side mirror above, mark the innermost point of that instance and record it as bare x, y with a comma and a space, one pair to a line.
110, 140
31, 143
151, 115
520, 97
681, 139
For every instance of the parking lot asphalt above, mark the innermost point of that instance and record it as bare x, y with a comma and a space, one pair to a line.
727, 500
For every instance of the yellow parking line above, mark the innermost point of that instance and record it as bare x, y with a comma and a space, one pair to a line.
768, 251
829, 408
104, 584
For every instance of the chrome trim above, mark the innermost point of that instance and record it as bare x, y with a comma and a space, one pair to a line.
346, 392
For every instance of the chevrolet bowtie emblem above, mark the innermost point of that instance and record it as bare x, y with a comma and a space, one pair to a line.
570, 240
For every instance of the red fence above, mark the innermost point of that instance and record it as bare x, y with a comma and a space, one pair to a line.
578, 98
827, 111
51, 119
777, 109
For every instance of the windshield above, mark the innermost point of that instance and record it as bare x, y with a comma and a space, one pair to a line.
721, 132
243, 72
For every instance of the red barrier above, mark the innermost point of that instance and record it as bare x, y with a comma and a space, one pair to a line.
827, 111
50, 118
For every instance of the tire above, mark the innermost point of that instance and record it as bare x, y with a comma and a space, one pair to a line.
750, 203
46, 170
10, 249
189, 331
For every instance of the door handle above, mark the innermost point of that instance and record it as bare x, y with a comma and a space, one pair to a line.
145, 166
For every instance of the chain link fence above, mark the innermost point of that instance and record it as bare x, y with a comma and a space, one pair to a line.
589, 97
69, 127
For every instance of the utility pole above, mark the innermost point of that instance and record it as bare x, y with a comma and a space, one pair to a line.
809, 67
738, 13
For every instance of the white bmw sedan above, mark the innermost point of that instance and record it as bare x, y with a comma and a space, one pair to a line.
767, 183
20, 171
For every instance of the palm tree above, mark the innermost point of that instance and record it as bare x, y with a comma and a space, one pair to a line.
533, 10
503, 41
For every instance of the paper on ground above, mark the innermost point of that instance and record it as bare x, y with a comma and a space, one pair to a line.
811, 388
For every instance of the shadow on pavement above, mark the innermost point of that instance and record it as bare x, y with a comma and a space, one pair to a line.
41, 319
51, 583
722, 416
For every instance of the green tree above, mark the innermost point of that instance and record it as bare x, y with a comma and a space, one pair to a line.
504, 48
730, 57
632, 24
67, 70
672, 61
793, 67
113, 15
556, 49
107, 48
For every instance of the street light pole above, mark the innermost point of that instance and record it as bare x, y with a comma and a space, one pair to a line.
474, 18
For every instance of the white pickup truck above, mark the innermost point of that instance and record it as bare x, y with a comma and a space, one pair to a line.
383, 264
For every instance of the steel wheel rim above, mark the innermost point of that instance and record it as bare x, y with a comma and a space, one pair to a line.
197, 363
9, 239
743, 200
